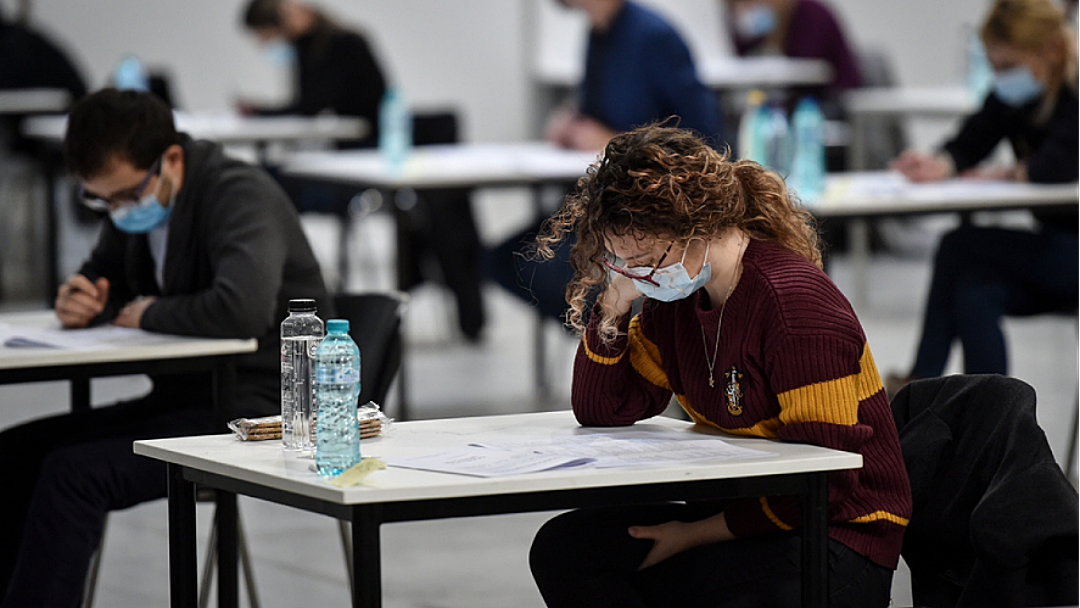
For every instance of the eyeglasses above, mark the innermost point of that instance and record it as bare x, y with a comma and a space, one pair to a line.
630, 272
128, 197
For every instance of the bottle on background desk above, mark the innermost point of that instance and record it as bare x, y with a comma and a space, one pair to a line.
337, 387
750, 143
301, 333
807, 177
776, 139
395, 129
131, 74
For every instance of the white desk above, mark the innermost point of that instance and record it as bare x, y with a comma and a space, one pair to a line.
262, 470
29, 101
530, 164
864, 195
229, 128
721, 73
152, 354
932, 102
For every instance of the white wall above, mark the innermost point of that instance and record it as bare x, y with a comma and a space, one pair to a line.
475, 54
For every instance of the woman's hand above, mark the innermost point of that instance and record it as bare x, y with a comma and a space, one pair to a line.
79, 301
620, 294
674, 537
921, 167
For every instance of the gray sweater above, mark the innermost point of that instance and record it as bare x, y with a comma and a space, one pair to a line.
234, 258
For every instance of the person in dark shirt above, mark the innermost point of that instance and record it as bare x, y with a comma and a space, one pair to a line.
981, 273
197, 244
803, 29
638, 70
336, 70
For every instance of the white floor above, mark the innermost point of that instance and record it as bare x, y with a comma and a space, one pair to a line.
482, 562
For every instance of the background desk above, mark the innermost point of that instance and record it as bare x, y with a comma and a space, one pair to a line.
864, 195
532, 164
264, 471
224, 128
158, 354
30, 101
718, 73
904, 102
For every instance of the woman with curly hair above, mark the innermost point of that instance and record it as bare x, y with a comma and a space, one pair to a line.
740, 323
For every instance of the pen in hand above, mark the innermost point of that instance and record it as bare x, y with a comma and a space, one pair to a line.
79, 301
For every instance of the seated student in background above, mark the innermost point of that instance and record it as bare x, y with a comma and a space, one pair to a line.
666, 217
335, 69
198, 244
637, 70
982, 274
803, 29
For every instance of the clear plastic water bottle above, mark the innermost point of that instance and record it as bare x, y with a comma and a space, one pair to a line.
776, 140
978, 74
131, 75
337, 387
395, 129
749, 142
301, 333
808, 167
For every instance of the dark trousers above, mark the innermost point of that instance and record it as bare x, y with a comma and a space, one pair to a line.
65, 474
513, 265
587, 558
983, 274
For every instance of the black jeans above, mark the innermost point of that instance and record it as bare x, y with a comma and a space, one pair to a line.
65, 474
586, 558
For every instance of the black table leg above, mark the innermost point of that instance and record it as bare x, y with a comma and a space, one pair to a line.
815, 543
367, 561
183, 577
226, 514
80, 394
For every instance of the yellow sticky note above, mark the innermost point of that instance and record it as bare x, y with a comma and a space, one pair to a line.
357, 473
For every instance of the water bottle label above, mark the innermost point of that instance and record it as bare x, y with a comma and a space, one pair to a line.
336, 375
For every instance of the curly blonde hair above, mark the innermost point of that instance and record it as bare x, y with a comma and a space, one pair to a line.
665, 182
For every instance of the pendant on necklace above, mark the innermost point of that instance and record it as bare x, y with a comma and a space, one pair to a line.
711, 383
734, 392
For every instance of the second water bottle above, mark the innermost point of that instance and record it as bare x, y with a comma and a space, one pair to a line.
337, 387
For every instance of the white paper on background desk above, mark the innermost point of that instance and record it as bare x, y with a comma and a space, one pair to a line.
594, 450
93, 338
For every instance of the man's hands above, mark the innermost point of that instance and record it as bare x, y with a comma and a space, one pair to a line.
920, 167
131, 315
78, 301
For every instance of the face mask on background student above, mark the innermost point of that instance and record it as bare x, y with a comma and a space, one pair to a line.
143, 216
756, 21
279, 53
1017, 86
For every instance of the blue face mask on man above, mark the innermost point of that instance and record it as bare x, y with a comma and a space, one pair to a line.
280, 53
1017, 86
143, 216
756, 21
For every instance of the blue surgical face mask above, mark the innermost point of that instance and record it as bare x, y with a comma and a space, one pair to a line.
756, 21
280, 53
143, 216
1017, 86
674, 282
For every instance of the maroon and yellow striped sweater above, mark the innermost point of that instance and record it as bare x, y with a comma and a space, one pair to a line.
793, 364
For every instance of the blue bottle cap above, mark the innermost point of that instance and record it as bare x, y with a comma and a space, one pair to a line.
337, 326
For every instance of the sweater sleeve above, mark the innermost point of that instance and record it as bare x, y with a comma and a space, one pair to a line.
979, 134
620, 383
820, 398
247, 254
671, 70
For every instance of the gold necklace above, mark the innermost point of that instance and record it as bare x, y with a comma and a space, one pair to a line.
720, 322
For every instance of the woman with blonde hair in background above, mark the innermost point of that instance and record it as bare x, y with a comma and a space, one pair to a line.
984, 273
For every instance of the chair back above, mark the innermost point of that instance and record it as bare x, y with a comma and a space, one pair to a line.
375, 325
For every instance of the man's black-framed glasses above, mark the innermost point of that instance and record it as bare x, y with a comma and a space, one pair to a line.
619, 266
128, 197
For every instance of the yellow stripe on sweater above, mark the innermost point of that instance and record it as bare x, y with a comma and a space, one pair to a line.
832, 401
772, 516
595, 358
880, 516
645, 356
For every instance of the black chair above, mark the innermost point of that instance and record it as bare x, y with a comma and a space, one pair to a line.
375, 325
994, 519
